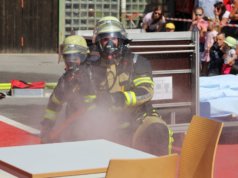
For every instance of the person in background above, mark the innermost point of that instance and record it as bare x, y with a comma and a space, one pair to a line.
234, 12
209, 40
124, 89
234, 68
228, 4
170, 27
208, 5
199, 22
229, 30
229, 54
201, 25
216, 55
154, 21
221, 15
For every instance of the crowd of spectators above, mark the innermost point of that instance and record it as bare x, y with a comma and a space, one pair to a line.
217, 23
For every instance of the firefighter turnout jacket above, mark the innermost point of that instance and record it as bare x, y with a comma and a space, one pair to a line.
73, 90
130, 85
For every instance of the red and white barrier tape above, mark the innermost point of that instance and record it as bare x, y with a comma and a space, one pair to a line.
178, 19
135, 15
190, 20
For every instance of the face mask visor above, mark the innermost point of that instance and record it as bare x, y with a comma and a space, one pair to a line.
72, 61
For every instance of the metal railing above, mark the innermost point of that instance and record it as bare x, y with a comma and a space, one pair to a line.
155, 46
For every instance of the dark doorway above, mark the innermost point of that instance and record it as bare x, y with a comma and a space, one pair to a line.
28, 26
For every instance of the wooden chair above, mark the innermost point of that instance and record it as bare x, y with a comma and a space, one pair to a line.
156, 167
199, 148
196, 159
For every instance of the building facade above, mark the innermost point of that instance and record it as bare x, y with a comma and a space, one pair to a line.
39, 26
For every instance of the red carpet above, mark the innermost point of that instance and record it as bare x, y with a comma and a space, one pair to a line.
226, 163
12, 136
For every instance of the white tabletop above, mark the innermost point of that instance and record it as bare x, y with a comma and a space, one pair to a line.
65, 157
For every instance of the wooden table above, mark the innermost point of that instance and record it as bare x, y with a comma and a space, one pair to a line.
85, 158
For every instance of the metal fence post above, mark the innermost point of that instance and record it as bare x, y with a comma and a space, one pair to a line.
196, 70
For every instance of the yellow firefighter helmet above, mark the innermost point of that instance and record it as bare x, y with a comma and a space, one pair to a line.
75, 44
111, 30
74, 51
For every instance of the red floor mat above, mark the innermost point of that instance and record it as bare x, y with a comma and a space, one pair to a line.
12, 136
226, 163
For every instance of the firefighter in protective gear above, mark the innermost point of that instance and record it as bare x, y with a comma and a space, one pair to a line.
74, 51
94, 54
125, 88
71, 88
101, 21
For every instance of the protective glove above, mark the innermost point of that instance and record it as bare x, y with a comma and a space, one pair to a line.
118, 99
111, 99
46, 127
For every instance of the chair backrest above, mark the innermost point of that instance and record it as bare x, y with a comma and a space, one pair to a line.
199, 148
156, 167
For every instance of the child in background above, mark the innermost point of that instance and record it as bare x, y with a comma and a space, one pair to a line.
234, 68
209, 40
200, 24
170, 27
229, 54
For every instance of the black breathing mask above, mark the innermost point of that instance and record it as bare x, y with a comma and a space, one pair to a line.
110, 48
72, 61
